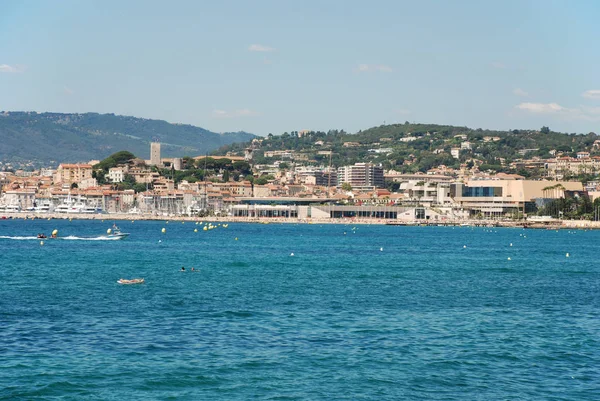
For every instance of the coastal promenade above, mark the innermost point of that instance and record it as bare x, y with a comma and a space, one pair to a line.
559, 224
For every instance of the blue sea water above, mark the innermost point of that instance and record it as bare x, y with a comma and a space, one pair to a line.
357, 313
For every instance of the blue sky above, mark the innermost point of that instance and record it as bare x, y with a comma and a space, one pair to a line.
275, 66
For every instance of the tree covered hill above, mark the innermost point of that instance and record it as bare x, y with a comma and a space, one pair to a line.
59, 137
419, 147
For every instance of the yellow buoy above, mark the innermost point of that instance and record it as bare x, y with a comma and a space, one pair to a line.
41, 242
236, 238
164, 230
55, 232
205, 228
195, 230
109, 231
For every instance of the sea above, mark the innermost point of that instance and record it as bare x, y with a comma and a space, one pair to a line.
297, 312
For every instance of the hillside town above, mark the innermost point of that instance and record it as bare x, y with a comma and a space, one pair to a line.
293, 188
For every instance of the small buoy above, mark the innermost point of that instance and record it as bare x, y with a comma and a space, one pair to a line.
159, 240
292, 254
41, 242
196, 223
567, 255
381, 249
511, 244
131, 221
236, 238
344, 232
509, 258
183, 222
464, 246
195, 230
164, 230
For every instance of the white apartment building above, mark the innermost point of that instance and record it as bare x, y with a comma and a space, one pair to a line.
361, 176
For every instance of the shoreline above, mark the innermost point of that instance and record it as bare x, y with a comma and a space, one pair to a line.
563, 224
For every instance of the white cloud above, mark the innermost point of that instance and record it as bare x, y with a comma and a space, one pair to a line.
520, 92
541, 108
68, 91
403, 112
374, 67
260, 48
234, 113
499, 65
576, 113
12, 68
592, 94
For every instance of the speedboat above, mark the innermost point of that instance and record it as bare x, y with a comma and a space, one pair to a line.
42, 236
115, 233
132, 281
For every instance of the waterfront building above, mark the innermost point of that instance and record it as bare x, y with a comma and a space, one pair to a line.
23, 198
495, 197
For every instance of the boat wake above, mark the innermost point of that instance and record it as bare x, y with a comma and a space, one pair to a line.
17, 238
100, 238
70, 238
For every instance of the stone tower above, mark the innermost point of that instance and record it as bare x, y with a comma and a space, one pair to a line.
155, 153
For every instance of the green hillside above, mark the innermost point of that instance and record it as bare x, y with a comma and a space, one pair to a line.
424, 146
46, 137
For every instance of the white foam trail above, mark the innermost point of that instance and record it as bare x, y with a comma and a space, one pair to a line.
70, 237
101, 238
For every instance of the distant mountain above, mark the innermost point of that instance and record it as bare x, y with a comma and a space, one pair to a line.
57, 137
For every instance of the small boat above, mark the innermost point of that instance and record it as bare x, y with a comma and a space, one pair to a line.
132, 281
42, 236
115, 233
